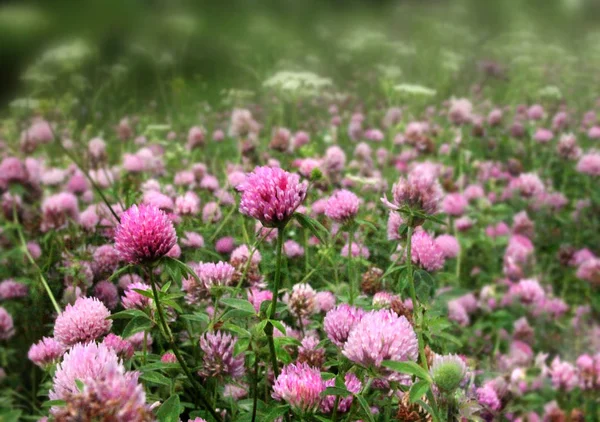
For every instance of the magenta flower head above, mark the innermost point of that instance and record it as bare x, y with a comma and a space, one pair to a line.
589, 271
419, 192
10, 289
105, 261
342, 206
58, 210
302, 300
300, 386
395, 220
353, 385
426, 252
271, 195
256, 297
292, 249
45, 352
448, 244
454, 204
381, 335
144, 234
325, 301
168, 357
225, 245
109, 391
122, 347
132, 299
84, 321
564, 375
340, 321
219, 359
83, 362
488, 397
7, 327
108, 293
590, 163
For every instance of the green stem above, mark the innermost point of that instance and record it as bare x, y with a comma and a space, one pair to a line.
416, 313
269, 326
145, 347
306, 251
169, 337
335, 409
350, 266
35, 265
87, 175
255, 388
413, 294
460, 253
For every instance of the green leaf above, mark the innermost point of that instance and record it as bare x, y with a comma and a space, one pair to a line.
275, 413
426, 406
240, 304
418, 390
236, 313
365, 406
156, 378
166, 287
128, 314
147, 293
367, 223
241, 332
313, 226
327, 376
157, 366
450, 337
120, 272
392, 269
80, 385
340, 382
410, 368
424, 285
170, 410
51, 403
10, 415
434, 219
402, 230
277, 324
136, 325
203, 318
335, 391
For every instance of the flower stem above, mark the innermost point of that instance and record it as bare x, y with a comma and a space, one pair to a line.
35, 265
413, 294
350, 266
169, 337
269, 326
416, 313
255, 388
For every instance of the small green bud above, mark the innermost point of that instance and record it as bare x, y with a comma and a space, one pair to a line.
448, 372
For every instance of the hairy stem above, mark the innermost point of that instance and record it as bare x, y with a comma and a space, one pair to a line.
413, 294
169, 337
269, 326
350, 266
35, 265
255, 388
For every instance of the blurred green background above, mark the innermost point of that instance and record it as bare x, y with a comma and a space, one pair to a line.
154, 48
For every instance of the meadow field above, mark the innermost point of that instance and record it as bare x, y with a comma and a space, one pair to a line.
300, 211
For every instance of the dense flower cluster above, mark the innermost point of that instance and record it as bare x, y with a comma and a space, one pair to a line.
84, 321
144, 234
378, 336
271, 195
